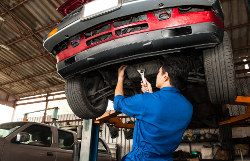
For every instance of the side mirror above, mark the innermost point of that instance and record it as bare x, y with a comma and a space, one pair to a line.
23, 137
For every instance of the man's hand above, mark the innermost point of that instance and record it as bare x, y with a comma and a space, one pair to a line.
119, 86
121, 72
146, 87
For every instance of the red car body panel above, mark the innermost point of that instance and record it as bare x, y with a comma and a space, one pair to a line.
176, 20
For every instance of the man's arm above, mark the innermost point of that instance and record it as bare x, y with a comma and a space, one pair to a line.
131, 106
119, 86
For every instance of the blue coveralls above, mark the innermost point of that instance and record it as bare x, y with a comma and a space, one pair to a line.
161, 119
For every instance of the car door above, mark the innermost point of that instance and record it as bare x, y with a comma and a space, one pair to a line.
104, 153
38, 148
65, 140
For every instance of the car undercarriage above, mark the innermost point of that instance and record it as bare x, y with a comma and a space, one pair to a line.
90, 49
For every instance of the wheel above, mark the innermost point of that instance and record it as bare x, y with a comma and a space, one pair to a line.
86, 97
220, 72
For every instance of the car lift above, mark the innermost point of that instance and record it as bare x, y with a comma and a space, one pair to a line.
90, 135
240, 100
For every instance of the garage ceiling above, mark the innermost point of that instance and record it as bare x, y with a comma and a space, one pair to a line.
27, 69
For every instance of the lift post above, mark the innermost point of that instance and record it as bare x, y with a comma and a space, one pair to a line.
90, 134
89, 143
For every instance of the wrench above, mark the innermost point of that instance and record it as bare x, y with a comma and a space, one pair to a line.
141, 72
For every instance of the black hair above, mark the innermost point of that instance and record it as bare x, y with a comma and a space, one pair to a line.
177, 69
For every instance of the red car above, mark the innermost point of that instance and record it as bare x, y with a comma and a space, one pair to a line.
97, 37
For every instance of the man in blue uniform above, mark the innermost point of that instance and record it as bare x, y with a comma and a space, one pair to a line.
161, 117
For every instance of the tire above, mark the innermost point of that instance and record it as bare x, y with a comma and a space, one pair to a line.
77, 90
220, 72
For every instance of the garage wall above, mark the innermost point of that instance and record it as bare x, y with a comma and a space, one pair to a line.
237, 14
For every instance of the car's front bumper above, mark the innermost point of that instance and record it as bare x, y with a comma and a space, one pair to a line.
72, 25
152, 43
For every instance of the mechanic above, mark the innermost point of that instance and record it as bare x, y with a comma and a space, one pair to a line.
161, 117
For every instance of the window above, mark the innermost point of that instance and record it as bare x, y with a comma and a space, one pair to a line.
65, 140
101, 146
39, 136
7, 128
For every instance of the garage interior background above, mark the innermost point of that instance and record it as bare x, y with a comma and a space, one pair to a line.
27, 69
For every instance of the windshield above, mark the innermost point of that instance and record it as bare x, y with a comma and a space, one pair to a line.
7, 128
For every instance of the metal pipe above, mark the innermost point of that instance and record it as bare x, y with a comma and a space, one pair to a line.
14, 110
79, 132
46, 106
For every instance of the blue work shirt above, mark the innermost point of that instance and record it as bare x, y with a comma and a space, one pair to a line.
161, 119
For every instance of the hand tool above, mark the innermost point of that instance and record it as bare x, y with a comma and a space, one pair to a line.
141, 72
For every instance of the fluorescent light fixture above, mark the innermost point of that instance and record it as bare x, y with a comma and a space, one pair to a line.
244, 60
5, 47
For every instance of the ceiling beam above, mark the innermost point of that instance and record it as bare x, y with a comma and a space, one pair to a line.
19, 33
22, 77
24, 62
8, 93
30, 34
57, 3
28, 78
44, 89
15, 79
13, 7
7, 102
36, 47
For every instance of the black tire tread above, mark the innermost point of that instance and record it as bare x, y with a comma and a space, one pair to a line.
78, 102
220, 72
